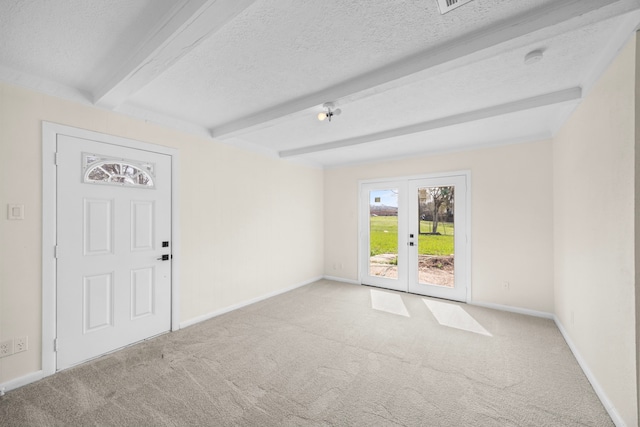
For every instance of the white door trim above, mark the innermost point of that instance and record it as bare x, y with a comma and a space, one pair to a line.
50, 131
467, 219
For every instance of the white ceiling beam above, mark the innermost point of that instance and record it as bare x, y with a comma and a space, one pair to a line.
188, 24
550, 15
572, 94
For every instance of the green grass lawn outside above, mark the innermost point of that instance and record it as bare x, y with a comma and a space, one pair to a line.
384, 237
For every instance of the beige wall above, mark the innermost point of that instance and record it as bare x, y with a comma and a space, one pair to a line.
538, 211
637, 219
594, 179
511, 219
239, 213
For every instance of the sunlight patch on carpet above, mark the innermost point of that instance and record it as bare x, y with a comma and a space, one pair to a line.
388, 302
454, 316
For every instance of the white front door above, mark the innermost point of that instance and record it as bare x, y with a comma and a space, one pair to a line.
414, 235
113, 231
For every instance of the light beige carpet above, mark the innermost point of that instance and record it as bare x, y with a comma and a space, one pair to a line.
321, 355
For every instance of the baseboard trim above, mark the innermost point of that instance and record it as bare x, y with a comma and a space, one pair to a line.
242, 304
511, 309
21, 381
608, 406
340, 279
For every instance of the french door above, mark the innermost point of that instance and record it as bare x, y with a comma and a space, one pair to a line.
414, 235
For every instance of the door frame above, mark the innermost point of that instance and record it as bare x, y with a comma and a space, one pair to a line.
362, 228
50, 132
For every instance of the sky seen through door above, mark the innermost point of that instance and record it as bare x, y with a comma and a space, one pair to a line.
384, 198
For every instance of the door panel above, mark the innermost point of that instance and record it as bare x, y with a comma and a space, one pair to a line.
98, 226
414, 236
98, 302
113, 215
142, 225
437, 218
142, 289
436, 232
384, 237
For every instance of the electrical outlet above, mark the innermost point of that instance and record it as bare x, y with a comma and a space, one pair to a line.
6, 348
22, 344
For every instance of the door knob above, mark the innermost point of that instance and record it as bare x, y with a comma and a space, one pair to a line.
164, 258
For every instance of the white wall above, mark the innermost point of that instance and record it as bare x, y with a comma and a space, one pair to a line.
239, 214
594, 175
511, 219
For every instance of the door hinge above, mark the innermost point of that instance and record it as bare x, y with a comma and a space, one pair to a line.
55, 251
55, 344
55, 158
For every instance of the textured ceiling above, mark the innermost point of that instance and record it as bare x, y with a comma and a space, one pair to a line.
492, 81
74, 42
254, 73
502, 130
282, 49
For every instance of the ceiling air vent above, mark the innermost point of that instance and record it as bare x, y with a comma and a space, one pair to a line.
449, 5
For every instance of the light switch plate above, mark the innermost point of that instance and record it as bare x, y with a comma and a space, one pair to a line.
15, 211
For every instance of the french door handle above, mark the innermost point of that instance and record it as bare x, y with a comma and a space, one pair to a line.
164, 258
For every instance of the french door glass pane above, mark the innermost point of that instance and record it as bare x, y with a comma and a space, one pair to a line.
436, 212
383, 233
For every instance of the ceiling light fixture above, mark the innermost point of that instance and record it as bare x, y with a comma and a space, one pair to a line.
331, 111
533, 56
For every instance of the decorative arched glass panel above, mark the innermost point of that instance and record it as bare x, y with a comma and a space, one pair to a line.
113, 171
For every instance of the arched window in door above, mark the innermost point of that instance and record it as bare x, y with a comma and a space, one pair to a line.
104, 170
